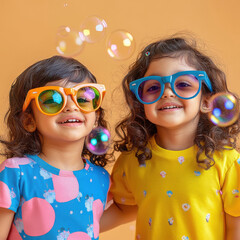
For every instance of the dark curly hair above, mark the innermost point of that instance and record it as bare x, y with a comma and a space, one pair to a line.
134, 131
22, 142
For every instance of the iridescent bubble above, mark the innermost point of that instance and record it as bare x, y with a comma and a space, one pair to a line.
224, 109
69, 42
120, 45
98, 141
65, 3
93, 29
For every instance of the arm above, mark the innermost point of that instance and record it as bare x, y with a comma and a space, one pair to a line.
232, 227
117, 214
6, 218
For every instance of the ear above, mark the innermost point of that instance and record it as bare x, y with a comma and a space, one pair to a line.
205, 106
28, 122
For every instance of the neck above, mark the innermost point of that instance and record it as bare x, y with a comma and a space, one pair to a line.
66, 157
175, 139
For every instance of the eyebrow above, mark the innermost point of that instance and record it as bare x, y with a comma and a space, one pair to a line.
160, 75
155, 74
152, 75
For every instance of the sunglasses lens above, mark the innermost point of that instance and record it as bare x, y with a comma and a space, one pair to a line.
88, 98
50, 101
149, 90
186, 86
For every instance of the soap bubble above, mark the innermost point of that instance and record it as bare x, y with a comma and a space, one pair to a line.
224, 109
120, 45
98, 141
69, 42
93, 29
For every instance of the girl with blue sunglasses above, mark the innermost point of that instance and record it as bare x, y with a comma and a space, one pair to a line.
178, 173
51, 186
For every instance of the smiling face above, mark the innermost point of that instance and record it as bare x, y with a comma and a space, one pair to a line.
171, 112
70, 125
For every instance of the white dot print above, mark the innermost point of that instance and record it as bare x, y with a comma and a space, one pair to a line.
207, 217
185, 207
163, 174
235, 192
181, 159
170, 221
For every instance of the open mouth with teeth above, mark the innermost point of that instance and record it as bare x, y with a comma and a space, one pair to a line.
170, 107
71, 121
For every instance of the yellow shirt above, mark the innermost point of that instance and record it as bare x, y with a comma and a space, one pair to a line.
176, 198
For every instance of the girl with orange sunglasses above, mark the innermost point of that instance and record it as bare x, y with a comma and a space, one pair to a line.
51, 186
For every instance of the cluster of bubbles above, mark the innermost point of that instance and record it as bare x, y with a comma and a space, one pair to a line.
224, 109
98, 141
120, 43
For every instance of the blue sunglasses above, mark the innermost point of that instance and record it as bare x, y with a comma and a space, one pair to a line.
185, 85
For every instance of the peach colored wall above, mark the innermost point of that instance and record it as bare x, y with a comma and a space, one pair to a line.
28, 30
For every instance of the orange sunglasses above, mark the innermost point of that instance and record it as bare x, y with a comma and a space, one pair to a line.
51, 100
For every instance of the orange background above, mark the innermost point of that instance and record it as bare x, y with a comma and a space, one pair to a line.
28, 34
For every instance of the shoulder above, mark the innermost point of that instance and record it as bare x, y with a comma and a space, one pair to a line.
129, 159
227, 157
97, 170
227, 153
126, 160
15, 163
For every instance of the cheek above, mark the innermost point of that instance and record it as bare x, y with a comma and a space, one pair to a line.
149, 112
90, 118
194, 103
41, 118
44, 125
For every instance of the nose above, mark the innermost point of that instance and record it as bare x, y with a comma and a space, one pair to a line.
70, 105
168, 92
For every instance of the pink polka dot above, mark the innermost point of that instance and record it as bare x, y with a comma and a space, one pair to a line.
87, 166
2, 166
5, 197
79, 236
14, 234
14, 163
66, 186
38, 217
97, 213
23, 161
